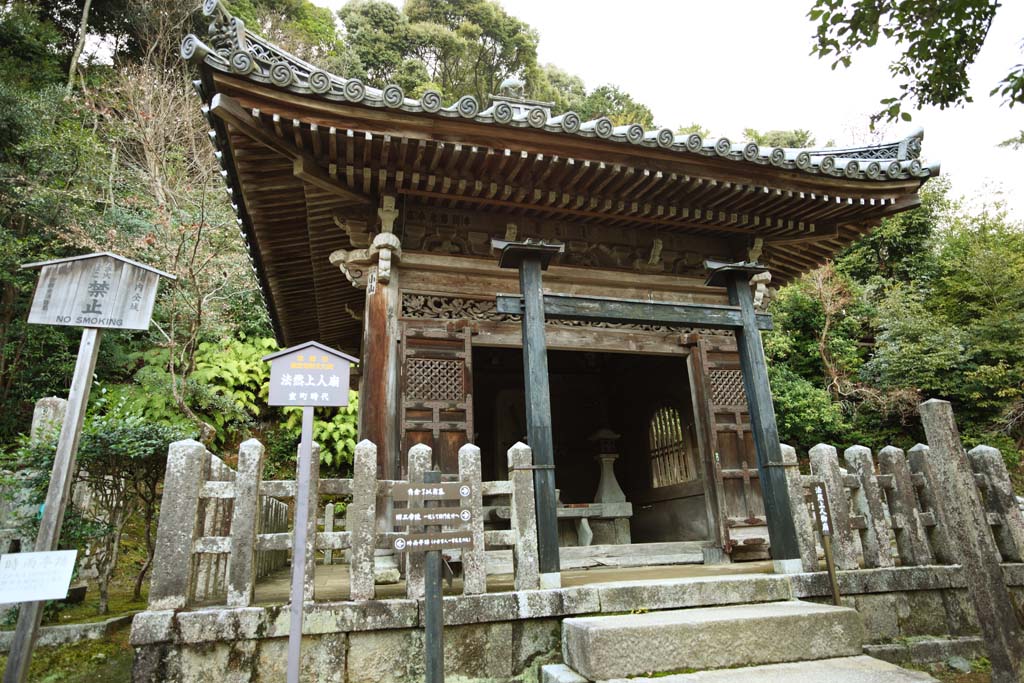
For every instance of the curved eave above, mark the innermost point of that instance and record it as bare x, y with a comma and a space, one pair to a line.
260, 63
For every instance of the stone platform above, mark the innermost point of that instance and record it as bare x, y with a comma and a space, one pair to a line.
507, 635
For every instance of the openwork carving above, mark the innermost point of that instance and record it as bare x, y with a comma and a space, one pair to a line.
451, 308
727, 388
434, 379
432, 307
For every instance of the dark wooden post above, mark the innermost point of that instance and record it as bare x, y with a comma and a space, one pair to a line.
532, 258
770, 466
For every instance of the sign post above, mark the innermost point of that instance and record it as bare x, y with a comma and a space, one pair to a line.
95, 292
824, 514
432, 495
308, 375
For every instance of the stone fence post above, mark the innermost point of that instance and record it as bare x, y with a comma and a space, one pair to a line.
911, 537
801, 516
988, 464
244, 516
524, 518
419, 462
867, 502
940, 536
47, 418
362, 515
825, 464
328, 528
965, 516
474, 570
311, 524
171, 585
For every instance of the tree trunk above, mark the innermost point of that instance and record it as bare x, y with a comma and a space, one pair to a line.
111, 554
79, 46
137, 591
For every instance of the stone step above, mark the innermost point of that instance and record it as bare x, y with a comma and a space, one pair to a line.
860, 669
620, 646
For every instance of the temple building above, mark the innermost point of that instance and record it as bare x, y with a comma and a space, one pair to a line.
400, 230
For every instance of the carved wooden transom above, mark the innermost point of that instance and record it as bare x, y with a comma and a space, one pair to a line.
434, 379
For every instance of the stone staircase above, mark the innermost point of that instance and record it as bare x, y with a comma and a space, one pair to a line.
786, 641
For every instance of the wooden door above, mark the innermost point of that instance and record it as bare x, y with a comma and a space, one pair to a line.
436, 390
731, 444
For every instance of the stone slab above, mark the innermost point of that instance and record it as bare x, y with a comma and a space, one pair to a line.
607, 647
623, 596
860, 669
560, 673
929, 650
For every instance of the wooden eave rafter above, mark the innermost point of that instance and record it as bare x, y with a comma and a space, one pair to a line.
298, 161
304, 166
419, 127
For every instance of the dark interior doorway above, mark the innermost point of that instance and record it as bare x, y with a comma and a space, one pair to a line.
646, 399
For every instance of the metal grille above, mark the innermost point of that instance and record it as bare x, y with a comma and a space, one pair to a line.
434, 379
727, 388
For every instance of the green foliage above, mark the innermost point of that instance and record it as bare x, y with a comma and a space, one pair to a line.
617, 105
28, 50
805, 412
235, 369
901, 249
336, 435
693, 128
927, 306
939, 39
780, 138
915, 348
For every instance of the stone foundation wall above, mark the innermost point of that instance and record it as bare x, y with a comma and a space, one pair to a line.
500, 637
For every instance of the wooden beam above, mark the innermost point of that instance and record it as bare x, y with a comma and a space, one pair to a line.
582, 213
564, 307
304, 167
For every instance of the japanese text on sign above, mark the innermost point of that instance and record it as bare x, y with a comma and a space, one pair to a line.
448, 491
821, 502
99, 291
438, 541
308, 375
29, 577
447, 516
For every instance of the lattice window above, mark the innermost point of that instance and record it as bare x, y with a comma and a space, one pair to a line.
727, 388
434, 379
667, 441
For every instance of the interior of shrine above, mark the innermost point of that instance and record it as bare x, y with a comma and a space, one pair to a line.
643, 400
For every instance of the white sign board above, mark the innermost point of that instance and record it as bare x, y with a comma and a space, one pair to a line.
101, 291
30, 577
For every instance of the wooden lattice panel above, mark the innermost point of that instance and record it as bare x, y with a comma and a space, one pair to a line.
727, 388
434, 379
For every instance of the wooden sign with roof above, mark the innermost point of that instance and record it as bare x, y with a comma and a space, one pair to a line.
369, 217
309, 374
100, 290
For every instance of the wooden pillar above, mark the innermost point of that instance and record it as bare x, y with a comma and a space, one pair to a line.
538, 412
532, 258
770, 466
378, 395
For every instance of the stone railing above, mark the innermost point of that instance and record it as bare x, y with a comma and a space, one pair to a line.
197, 518
221, 530
896, 508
